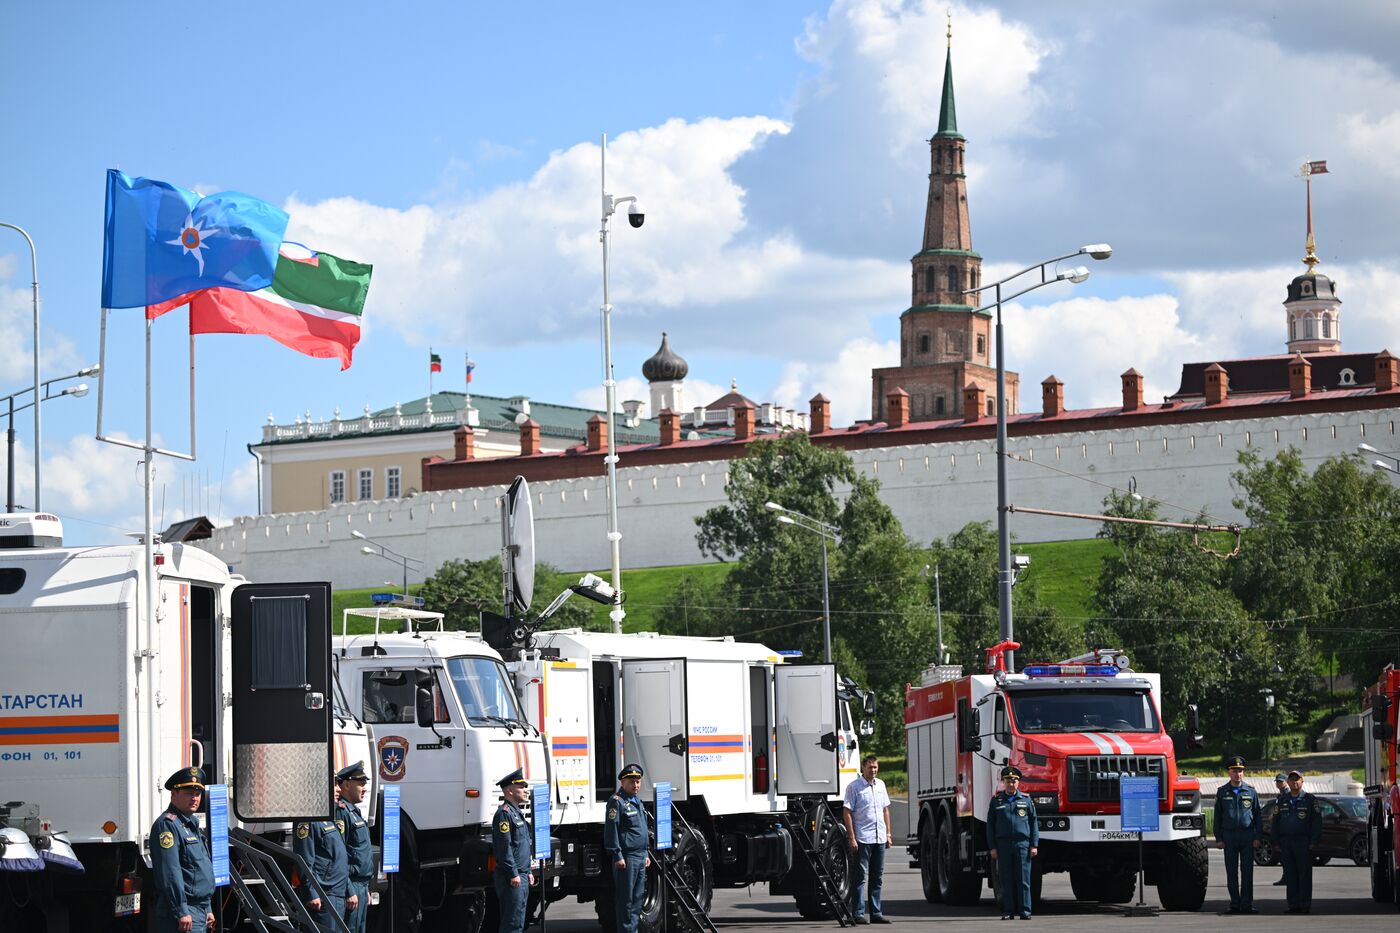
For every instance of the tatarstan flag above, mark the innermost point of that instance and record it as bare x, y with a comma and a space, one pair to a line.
434, 362
313, 306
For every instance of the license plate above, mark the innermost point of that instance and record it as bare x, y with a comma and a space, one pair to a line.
127, 905
1117, 835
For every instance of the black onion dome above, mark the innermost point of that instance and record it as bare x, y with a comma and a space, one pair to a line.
1311, 285
664, 365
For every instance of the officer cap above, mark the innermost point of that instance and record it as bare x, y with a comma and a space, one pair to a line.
185, 777
350, 772
1236, 761
515, 779
1010, 771
1280, 777
629, 771
1295, 774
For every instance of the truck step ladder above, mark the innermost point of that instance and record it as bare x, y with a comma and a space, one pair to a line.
812, 825
692, 913
268, 899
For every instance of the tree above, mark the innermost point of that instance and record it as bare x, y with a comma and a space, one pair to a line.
1164, 600
1322, 555
461, 589
967, 563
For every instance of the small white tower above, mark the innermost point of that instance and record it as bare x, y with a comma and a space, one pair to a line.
666, 373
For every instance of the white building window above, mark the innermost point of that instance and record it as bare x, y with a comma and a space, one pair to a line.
366, 484
337, 485
393, 482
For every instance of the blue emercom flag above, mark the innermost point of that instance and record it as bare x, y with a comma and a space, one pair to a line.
162, 242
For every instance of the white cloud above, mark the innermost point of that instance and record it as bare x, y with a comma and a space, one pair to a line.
845, 380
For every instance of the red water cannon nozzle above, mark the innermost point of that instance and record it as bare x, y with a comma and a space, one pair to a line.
996, 656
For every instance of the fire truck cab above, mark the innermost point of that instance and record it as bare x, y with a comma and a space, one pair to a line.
1382, 701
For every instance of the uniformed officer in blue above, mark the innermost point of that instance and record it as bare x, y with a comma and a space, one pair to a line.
180, 863
510, 840
351, 781
1013, 835
627, 842
322, 846
1237, 830
1297, 827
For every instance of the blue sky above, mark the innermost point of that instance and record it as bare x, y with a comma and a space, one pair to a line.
779, 150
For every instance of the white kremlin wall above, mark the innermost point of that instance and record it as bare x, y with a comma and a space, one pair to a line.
935, 489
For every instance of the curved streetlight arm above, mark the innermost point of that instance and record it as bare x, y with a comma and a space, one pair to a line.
1094, 250
1076, 276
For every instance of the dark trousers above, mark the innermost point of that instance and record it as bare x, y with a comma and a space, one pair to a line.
1239, 869
331, 907
511, 901
1297, 870
870, 868
1014, 870
629, 889
168, 924
355, 919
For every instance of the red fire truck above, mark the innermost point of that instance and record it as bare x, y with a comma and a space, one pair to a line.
1382, 792
1074, 729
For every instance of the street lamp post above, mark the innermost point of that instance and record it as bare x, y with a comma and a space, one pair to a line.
1005, 577
38, 421
635, 217
375, 549
77, 391
826, 532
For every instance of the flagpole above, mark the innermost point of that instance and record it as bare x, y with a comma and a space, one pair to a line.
148, 469
430, 372
467, 377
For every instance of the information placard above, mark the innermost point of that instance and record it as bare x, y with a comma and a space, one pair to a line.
663, 814
218, 832
539, 814
1139, 802
389, 852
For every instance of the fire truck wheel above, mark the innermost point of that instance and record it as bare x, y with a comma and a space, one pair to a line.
955, 887
1184, 875
928, 862
692, 859
836, 856
1380, 880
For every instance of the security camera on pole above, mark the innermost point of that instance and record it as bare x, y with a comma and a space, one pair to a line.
636, 218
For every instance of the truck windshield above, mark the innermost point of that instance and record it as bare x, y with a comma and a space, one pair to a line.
1091, 711
483, 687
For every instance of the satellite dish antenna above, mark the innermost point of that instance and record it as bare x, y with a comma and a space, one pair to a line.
518, 547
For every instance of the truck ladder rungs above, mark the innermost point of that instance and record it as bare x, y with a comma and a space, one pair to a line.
268, 898
820, 817
687, 906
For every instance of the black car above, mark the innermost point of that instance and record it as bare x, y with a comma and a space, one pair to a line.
1343, 831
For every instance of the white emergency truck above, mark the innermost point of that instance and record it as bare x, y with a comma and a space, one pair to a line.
100, 702
739, 735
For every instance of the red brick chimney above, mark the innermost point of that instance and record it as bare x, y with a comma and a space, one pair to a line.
1132, 390
1217, 384
1052, 397
529, 438
897, 408
463, 443
597, 433
974, 402
1299, 376
1385, 371
821, 414
670, 427
743, 421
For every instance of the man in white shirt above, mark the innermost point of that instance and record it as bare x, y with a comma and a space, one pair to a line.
866, 812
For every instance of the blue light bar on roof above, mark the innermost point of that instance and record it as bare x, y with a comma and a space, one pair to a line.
1070, 670
396, 599
790, 652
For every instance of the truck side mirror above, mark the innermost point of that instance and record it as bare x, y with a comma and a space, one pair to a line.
1382, 731
969, 728
868, 704
867, 727
427, 712
1380, 706
1194, 739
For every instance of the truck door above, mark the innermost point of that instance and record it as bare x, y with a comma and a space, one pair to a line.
654, 722
805, 702
282, 726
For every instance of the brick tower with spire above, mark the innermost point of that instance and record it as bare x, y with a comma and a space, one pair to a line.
943, 344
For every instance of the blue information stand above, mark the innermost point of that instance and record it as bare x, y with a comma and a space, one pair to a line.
389, 852
539, 813
663, 814
1139, 808
218, 832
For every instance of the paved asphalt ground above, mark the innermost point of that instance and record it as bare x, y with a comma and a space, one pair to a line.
1341, 900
